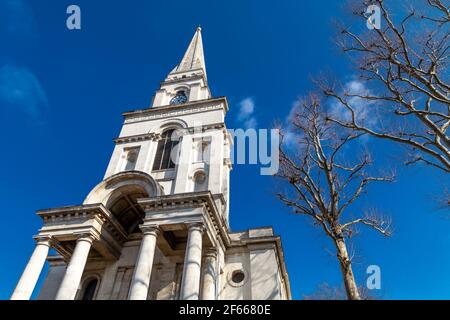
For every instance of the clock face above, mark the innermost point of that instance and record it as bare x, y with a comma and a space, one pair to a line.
179, 99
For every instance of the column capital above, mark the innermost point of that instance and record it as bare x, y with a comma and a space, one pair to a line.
155, 136
86, 236
150, 230
196, 226
210, 252
46, 240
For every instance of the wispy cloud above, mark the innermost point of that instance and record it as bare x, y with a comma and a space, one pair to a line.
364, 110
363, 107
291, 136
21, 91
247, 108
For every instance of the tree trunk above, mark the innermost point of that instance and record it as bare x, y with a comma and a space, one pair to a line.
346, 268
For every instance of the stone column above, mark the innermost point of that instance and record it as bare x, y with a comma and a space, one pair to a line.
190, 284
143, 269
71, 281
210, 275
30, 275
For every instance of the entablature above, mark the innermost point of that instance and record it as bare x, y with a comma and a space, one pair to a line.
176, 110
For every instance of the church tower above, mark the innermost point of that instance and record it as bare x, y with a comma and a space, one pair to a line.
157, 225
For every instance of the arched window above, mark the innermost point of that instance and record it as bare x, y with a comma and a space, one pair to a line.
89, 289
179, 98
163, 157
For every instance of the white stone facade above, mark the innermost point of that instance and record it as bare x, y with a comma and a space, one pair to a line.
145, 233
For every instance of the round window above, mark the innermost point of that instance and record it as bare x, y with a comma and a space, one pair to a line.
237, 276
199, 177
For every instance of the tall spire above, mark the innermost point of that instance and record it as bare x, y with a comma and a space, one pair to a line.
194, 57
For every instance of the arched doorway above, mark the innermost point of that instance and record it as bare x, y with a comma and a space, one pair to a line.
123, 205
89, 289
119, 194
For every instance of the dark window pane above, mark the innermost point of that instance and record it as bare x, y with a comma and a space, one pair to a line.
159, 153
164, 150
166, 155
238, 276
89, 291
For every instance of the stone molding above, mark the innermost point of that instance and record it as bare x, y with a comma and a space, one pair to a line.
190, 200
136, 138
196, 226
150, 230
44, 240
154, 136
234, 284
210, 253
85, 212
175, 80
174, 111
102, 191
87, 236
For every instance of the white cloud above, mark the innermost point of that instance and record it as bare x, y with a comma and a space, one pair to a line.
21, 90
247, 108
250, 123
362, 107
291, 136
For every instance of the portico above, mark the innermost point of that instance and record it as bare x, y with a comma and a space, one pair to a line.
92, 232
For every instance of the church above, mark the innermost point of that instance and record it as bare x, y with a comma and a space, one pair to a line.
157, 226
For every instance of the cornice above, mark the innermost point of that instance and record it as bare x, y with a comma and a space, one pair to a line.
90, 211
187, 78
176, 110
191, 199
137, 138
156, 136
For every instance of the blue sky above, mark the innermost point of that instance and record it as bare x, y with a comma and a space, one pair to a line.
62, 93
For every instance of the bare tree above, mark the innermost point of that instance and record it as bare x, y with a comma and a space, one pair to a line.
325, 182
404, 66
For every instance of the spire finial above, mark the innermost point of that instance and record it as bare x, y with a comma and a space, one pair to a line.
194, 58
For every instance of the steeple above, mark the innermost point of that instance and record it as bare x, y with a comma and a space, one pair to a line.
193, 59
187, 81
